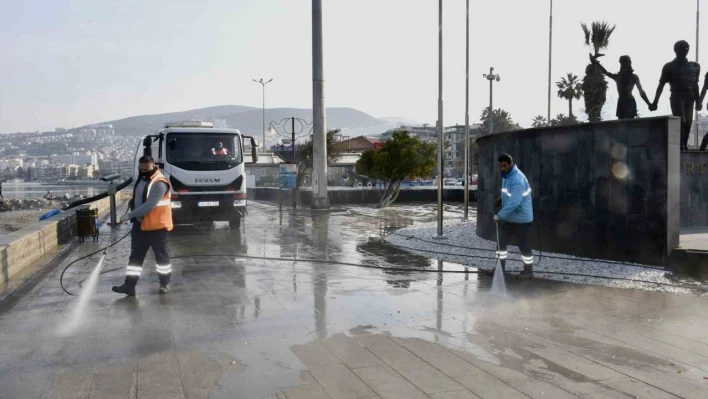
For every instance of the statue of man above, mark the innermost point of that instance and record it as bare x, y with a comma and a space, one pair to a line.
704, 142
682, 76
625, 80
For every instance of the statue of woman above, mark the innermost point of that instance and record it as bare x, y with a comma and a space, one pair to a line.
625, 80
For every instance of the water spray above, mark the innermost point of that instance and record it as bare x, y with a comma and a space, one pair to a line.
79, 309
112, 241
498, 285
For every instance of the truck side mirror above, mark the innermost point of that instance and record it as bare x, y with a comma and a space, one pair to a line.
147, 146
254, 148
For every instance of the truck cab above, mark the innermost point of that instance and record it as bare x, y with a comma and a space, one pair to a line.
206, 168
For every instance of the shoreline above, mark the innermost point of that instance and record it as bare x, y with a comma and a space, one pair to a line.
40, 184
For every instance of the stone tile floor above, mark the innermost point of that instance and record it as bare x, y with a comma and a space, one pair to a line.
254, 328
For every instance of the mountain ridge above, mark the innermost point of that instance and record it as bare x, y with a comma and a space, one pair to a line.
249, 120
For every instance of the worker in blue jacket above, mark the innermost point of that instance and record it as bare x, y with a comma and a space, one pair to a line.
516, 214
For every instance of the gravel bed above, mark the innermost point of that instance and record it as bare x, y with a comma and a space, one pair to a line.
14, 220
463, 245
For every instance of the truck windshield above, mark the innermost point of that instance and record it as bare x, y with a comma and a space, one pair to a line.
199, 151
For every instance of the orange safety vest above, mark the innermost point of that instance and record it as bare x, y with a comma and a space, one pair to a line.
222, 151
160, 217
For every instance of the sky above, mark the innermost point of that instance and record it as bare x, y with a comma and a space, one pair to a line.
67, 63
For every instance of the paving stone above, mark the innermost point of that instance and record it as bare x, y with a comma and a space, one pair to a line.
309, 389
340, 382
388, 384
455, 395
350, 352
159, 376
386, 349
117, 384
427, 378
610, 395
488, 387
69, 384
684, 343
314, 354
438, 357
539, 389
575, 364
638, 389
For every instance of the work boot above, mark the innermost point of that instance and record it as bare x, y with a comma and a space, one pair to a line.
527, 274
128, 288
165, 283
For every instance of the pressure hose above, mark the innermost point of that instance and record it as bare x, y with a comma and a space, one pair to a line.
393, 268
99, 196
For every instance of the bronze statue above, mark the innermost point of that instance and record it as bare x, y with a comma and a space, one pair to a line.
625, 79
682, 76
704, 142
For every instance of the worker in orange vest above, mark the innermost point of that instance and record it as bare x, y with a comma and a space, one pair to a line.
220, 150
151, 215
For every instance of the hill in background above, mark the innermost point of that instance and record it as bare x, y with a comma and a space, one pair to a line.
249, 120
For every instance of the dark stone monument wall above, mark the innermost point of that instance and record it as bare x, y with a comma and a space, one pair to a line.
694, 188
599, 190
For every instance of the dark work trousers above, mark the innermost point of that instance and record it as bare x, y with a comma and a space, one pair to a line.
682, 103
140, 243
522, 232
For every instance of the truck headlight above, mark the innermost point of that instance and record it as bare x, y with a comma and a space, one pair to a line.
176, 204
241, 202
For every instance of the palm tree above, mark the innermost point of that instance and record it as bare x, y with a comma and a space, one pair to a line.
569, 89
539, 121
594, 85
562, 120
502, 121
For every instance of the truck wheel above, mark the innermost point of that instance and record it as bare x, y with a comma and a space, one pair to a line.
235, 222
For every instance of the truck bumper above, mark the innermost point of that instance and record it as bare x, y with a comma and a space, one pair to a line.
188, 209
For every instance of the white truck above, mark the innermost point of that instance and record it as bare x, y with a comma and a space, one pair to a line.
206, 167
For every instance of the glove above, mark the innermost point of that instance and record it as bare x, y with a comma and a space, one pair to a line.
496, 218
124, 218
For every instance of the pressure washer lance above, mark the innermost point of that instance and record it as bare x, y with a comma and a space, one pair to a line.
110, 241
105, 250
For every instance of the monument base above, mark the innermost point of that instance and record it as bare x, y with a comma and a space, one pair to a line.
607, 190
320, 203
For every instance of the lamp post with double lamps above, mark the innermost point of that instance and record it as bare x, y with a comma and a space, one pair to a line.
263, 83
491, 77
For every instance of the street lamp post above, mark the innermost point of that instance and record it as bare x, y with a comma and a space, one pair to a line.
263, 83
320, 199
550, 51
440, 119
467, 113
491, 77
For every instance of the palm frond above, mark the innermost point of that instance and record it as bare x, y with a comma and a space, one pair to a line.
587, 33
597, 36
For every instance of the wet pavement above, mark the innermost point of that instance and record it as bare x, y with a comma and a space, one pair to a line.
321, 327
